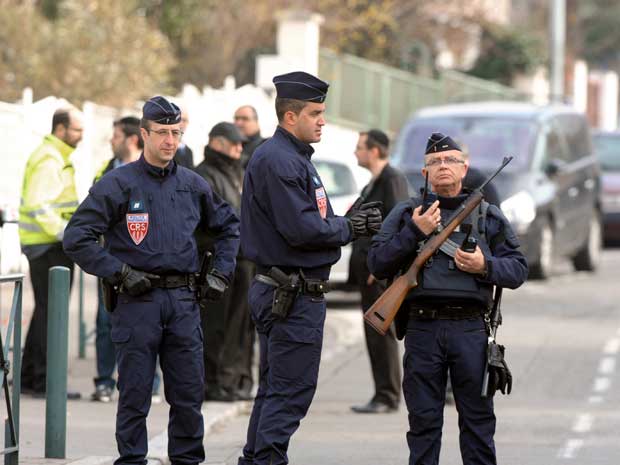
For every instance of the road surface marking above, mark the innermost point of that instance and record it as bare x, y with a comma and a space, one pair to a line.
607, 365
601, 384
612, 347
571, 448
583, 424
595, 399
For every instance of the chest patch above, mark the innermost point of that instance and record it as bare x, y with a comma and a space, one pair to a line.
138, 226
321, 201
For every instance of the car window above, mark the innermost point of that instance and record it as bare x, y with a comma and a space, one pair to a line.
577, 134
555, 145
486, 139
337, 178
607, 149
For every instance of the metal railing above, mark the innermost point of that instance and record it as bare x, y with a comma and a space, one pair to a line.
11, 427
366, 94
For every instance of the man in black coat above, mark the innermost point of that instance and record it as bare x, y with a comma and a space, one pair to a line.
389, 186
184, 155
246, 120
227, 327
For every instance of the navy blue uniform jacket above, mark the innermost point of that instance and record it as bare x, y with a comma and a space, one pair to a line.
173, 202
286, 217
394, 248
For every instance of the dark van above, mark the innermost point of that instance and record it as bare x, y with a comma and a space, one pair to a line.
550, 191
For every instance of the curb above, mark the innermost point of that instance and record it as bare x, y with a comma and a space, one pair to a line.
213, 413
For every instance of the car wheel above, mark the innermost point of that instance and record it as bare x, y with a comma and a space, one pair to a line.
589, 256
541, 269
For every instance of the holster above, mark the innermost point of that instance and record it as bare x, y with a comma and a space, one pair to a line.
110, 296
285, 293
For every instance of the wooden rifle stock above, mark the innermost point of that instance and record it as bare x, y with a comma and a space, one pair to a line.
381, 314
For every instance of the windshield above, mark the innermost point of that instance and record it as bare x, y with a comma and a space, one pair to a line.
337, 178
486, 139
607, 149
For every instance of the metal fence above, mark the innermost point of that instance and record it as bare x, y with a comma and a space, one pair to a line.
12, 343
367, 94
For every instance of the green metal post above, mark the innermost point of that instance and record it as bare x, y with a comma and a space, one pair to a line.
57, 349
82, 325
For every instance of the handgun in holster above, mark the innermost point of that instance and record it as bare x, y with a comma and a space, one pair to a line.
110, 295
285, 293
201, 278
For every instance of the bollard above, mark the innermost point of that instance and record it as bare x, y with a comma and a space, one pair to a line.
57, 349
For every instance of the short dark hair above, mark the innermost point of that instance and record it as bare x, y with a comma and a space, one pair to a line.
378, 139
145, 123
288, 104
130, 125
61, 117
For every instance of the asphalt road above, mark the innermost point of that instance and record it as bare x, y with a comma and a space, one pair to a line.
563, 340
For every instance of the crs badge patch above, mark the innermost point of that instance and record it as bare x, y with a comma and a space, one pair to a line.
138, 226
321, 201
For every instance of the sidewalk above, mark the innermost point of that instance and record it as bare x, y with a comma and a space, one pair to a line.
90, 425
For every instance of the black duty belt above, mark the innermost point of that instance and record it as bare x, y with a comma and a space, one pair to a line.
313, 287
171, 281
419, 312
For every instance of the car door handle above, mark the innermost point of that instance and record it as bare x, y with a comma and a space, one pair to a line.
573, 192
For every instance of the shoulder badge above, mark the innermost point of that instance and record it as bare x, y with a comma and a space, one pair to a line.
138, 226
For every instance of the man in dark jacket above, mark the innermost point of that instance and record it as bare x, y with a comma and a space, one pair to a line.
246, 120
184, 156
227, 327
388, 185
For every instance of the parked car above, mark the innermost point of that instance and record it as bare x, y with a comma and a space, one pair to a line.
550, 191
607, 149
343, 181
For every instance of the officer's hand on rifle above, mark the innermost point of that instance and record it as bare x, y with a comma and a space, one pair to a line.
428, 221
214, 287
470, 262
131, 281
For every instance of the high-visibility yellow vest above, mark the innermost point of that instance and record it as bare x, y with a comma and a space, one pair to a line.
49, 197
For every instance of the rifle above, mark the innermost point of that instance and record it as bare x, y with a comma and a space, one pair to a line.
381, 314
494, 321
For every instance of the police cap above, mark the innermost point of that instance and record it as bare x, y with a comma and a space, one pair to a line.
299, 85
437, 142
160, 110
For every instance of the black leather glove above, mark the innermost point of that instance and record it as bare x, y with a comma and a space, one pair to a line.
133, 282
214, 287
500, 377
366, 221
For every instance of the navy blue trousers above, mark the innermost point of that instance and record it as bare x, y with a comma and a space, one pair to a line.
104, 347
164, 322
432, 349
290, 353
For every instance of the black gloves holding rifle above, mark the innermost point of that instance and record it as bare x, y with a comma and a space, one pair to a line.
131, 281
365, 220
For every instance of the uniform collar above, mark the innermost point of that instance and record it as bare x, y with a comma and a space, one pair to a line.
301, 147
155, 171
65, 149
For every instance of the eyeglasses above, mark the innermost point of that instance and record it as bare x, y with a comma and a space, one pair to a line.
76, 129
242, 118
447, 161
175, 133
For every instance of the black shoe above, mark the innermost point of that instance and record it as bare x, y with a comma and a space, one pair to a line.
219, 394
244, 394
102, 393
36, 394
374, 407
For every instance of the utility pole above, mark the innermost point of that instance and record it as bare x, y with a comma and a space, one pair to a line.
557, 28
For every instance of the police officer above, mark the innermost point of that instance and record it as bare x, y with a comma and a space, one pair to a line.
289, 230
443, 316
147, 212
